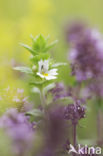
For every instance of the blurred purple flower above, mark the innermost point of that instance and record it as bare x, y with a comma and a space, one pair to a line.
19, 129
54, 130
59, 91
75, 29
86, 53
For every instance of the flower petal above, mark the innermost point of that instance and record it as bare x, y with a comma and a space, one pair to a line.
53, 72
42, 76
50, 77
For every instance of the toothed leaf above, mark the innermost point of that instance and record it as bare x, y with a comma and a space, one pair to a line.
24, 69
29, 49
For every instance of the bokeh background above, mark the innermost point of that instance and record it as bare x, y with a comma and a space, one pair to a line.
21, 18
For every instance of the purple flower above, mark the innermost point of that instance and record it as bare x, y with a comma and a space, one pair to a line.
86, 53
74, 30
61, 91
19, 129
74, 112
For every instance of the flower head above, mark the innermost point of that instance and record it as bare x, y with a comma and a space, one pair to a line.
74, 112
45, 72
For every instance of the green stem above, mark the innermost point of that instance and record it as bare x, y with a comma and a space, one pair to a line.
74, 135
42, 97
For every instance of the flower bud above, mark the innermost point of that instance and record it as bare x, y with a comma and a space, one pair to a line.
34, 68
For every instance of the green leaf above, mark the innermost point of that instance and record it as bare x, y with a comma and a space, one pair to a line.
49, 87
35, 112
41, 84
43, 56
28, 48
39, 44
36, 90
51, 45
38, 84
24, 69
59, 64
68, 100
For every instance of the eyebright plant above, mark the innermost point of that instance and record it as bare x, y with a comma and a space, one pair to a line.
43, 68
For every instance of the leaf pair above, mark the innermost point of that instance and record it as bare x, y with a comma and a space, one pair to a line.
39, 45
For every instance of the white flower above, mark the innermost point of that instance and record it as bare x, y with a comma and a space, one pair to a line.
44, 71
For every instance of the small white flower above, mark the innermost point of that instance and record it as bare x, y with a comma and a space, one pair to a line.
44, 71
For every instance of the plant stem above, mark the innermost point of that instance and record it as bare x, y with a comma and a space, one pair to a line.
74, 137
42, 97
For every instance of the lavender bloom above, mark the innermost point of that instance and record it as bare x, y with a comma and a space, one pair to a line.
74, 112
20, 131
86, 54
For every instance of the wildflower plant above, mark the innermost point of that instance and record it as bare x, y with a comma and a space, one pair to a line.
43, 68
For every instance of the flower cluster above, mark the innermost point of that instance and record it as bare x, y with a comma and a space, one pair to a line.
86, 53
74, 112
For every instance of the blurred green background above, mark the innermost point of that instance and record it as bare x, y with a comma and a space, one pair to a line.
20, 18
